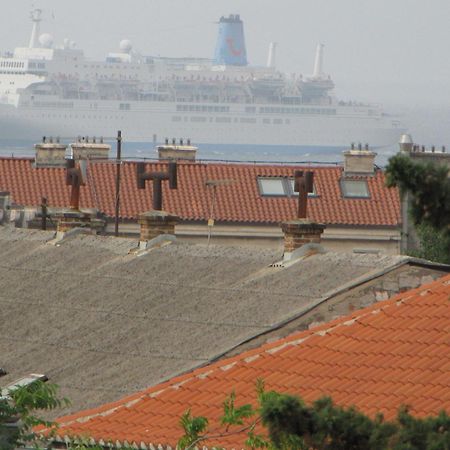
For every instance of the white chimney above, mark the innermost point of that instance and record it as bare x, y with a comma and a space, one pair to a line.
359, 161
50, 153
271, 59
90, 148
36, 19
318, 62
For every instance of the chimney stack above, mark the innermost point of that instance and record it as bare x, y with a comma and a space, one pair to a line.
359, 161
86, 148
50, 154
174, 152
156, 222
302, 231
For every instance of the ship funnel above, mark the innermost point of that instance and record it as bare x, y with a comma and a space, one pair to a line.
318, 62
272, 54
230, 47
36, 19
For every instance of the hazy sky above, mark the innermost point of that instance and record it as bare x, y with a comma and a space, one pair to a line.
391, 51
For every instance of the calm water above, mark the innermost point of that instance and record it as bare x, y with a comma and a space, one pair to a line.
428, 127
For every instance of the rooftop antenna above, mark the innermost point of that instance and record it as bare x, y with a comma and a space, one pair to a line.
36, 17
318, 62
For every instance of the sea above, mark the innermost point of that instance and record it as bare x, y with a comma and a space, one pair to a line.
427, 126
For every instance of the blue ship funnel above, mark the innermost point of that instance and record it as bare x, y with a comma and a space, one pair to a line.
230, 47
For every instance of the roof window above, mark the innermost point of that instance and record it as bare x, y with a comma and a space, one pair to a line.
279, 187
354, 188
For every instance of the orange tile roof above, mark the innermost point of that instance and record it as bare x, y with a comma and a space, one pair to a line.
237, 202
394, 353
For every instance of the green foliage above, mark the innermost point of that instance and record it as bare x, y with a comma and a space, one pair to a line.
18, 412
193, 428
293, 425
233, 415
434, 244
429, 186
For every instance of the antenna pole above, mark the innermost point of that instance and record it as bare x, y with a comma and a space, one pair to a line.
118, 164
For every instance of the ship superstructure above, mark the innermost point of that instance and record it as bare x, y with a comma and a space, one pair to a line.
55, 90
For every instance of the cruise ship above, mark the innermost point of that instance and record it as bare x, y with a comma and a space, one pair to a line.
55, 90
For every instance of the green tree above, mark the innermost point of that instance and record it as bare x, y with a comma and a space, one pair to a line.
19, 409
429, 187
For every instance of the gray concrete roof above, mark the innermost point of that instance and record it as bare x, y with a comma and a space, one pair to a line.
102, 323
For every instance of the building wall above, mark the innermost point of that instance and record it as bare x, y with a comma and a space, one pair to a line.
342, 239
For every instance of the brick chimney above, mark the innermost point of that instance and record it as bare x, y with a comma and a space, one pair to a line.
174, 151
301, 231
359, 161
154, 223
50, 153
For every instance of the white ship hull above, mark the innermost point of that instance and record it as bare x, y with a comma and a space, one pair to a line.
155, 121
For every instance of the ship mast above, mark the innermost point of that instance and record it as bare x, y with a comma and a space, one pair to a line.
35, 16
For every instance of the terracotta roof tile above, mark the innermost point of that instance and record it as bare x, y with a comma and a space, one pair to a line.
237, 202
393, 353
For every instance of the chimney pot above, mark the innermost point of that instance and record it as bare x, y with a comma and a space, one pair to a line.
359, 146
353, 146
181, 141
174, 142
443, 149
188, 142
167, 141
432, 149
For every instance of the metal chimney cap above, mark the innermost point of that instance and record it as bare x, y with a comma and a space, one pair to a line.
405, 139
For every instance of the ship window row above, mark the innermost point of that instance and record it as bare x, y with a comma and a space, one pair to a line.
44, 104
246, 120
12, 64
279, 187
33, 65
203, 108
281, 110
